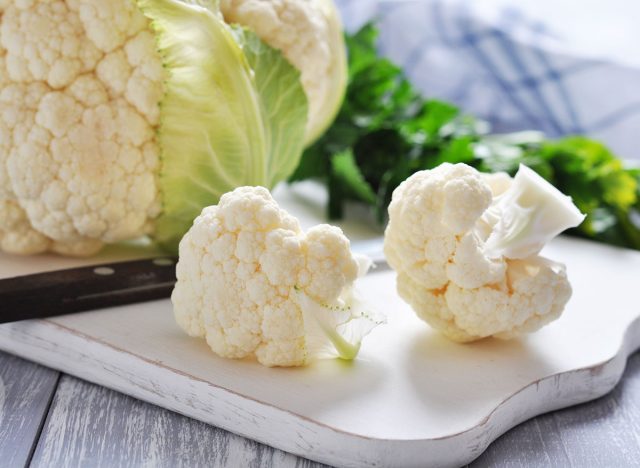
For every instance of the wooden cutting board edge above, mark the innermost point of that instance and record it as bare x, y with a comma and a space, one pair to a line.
40, 340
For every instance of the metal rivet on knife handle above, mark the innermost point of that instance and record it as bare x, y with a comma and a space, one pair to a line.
80, 289
104, 271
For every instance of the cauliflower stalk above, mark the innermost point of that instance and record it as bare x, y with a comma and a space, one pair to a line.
465, 248
121, 119
253, 284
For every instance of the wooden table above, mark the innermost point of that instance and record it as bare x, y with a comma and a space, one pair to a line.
52, 419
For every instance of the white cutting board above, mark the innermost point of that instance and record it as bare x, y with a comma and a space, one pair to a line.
412, 398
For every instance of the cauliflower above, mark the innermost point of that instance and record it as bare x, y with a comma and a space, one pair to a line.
80, 87
465, 248
310, 35
253, 284
78, 160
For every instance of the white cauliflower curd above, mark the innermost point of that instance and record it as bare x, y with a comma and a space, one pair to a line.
79, 95
309, 34
81, 83
465, 248
253, 284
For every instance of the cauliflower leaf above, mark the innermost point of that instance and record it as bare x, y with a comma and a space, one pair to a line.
234, 112
337, 329
527, 216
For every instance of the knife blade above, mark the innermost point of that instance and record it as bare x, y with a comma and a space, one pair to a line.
63, 292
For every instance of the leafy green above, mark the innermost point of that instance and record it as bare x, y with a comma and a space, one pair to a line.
600, 186
349, 179
386, 131
234, 112
585, 169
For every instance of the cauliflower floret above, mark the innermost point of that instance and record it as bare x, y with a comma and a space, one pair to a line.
253, 284
4, 74
432, 209
439, 224
309, 34
17, 236
92, 142
16, 233
44, 42
533, 293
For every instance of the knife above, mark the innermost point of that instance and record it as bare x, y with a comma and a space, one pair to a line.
80, 289
62, 292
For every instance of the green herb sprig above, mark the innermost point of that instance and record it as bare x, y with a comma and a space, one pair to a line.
386, 130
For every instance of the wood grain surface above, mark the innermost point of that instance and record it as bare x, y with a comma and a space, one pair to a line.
602, 433
429, 383
88, 425
25, 394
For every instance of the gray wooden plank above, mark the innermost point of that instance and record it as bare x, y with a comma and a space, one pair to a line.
26, 390
602, 433
91, 426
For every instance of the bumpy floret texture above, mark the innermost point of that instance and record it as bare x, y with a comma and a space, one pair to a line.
309, 34
80, 86
80, 83
242, 267
435, 241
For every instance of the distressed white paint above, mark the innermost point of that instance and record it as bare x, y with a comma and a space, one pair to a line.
3, 399
603, 433
411, 397
25, 392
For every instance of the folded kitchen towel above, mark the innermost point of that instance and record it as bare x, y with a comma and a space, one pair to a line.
560, 66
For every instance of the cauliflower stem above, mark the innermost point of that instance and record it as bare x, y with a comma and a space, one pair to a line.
337, 329
527, 216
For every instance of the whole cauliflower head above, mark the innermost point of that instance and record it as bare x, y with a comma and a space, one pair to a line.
253, 284
436, 240
80, 83
80, 87
309, 34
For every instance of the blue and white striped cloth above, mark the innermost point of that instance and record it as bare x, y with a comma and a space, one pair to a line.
560, 66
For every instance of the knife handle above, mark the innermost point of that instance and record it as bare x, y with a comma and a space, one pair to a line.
80, 289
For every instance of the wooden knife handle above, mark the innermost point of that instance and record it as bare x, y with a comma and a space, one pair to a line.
80, 289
